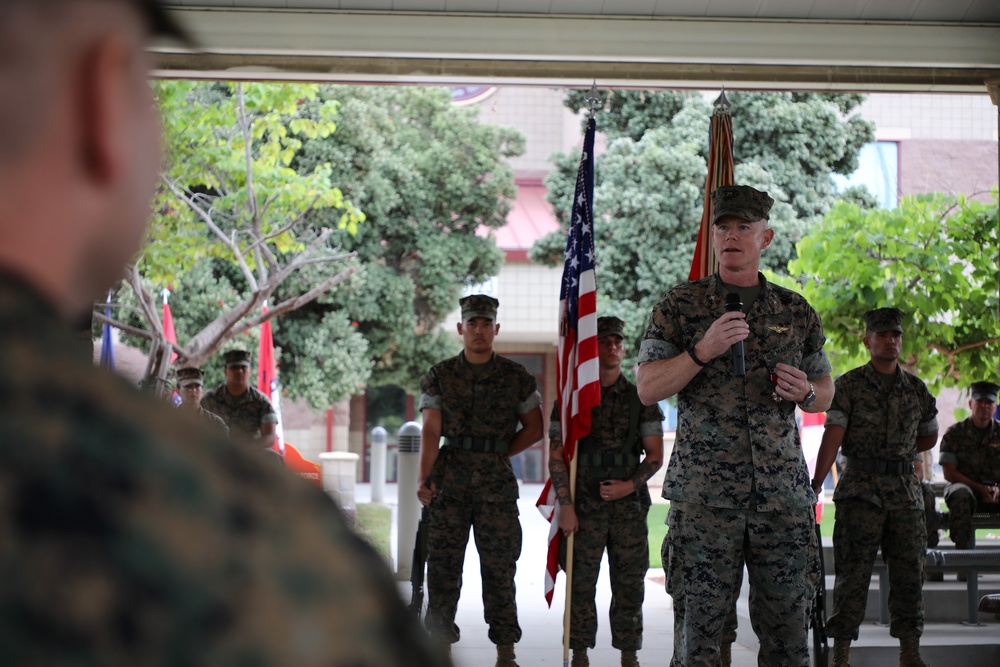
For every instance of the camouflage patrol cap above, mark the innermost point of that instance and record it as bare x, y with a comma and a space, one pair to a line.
610, 326
478, 305
741, 201
884, 319
987, 390
236, 358
190, 375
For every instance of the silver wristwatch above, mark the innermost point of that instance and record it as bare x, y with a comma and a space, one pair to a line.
810, 397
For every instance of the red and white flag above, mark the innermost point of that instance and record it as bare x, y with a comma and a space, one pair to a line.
577, 368
267, 379
171, 335
168, 324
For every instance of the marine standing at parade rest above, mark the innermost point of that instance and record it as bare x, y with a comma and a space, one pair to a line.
737, 482
191, 387
611, 503
133, 536
476, 400
970, 458
882, 417
248, 413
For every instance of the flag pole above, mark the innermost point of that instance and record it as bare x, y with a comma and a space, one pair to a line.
569, 565
593, 101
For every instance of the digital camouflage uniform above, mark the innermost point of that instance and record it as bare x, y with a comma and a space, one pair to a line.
132, 535
189, 376
619, 525
475, 489
213, 420
976, 454
737, 481
244, 414
879, 509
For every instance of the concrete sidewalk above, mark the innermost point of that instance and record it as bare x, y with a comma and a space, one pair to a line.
541, 641
946, 644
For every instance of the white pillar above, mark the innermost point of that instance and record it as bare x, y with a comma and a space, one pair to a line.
339, 473
377, 472
409, 506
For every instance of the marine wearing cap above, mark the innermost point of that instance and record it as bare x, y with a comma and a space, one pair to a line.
189, 375
884, 319
610, 326
236, 358
984, 390
741, 201
478, 305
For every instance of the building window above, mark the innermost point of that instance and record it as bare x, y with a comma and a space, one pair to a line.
878, 170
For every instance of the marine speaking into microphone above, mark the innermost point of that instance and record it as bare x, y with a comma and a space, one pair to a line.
736, 436
735, 303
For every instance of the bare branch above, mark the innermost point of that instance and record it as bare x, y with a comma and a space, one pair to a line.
230, 242
244, 123
145, 300
962, 348
294, 303
287, 227
127, 328
323, 260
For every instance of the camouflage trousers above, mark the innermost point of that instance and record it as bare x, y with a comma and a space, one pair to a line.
930, 514
860, 529
962, 504
732, 623
702, 552
620, 527
497, 532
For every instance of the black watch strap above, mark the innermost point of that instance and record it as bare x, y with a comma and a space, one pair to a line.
694, 356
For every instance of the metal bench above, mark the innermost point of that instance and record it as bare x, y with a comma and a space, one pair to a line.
969, 561
979, 520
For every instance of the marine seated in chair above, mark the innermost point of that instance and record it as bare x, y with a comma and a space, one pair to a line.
970, 458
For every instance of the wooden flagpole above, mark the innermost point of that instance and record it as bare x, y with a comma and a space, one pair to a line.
567, 608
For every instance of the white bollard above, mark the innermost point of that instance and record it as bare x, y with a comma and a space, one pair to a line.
377, 471
339, 473
409, 507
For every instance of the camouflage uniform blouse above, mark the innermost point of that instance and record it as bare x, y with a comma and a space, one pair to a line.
244, 414
881, 425
480, 405
732, 437
213, 420
609, 426
132, 535
975, 452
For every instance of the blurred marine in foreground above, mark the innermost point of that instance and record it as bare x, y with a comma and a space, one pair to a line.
131, 535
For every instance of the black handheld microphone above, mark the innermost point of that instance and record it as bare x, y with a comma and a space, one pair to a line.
733, 304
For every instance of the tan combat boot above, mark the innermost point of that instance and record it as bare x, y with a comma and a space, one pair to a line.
841, 652
580, 658
725, 655
629, 658
909, 653
505, 656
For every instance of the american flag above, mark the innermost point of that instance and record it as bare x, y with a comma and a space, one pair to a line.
579, 382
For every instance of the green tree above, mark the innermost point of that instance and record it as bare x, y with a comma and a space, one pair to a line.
934, 257
228, 193
428, 175
650, 182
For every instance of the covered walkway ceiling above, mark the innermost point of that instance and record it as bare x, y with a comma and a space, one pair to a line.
867, 45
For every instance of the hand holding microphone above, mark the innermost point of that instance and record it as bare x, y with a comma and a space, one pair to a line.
735, 304
724, 334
